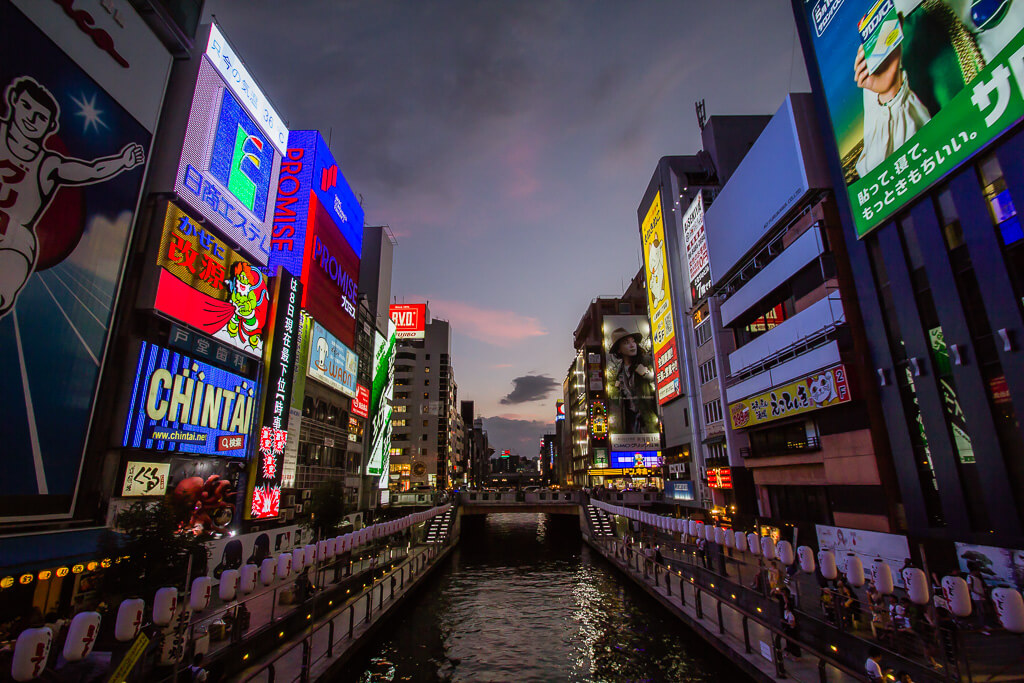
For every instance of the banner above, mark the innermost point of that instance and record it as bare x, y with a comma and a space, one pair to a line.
208, 285
821, 389
659, 303
913, 90
867, 545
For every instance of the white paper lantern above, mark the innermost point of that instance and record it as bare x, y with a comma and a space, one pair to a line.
1010, 608
728, 538
129, 619
309, 555
709, 533
691, 527
917, 585
854, 570
881, 576
31, 651
767, 548
82, 632
754, 543
827, 562
298, 559
720, 535
228, 586
806, 557
784, 551
247, 576
739, 540
284, 565
199, 596
164, 603
957, 594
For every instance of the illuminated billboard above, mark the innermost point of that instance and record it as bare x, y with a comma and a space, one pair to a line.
629, 378
265, 474
719, 478
318, 232
559, 411
410, 320
914, 91
361, 403
331, 362
232, 151
208, 285
182, 404
697, 263
73, 163
659, 303
145, 478
380, 404
631, 459
821, 389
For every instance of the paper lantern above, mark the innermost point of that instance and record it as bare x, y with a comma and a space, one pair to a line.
957, 594
321, 550
129, 619
754, 543
82, 632
298, 559
917, 585
309, 555
709, 533
739, 540
31, 651
691, 527
784, 551
199, 596
228, 587
827, 562
854, 570
1010, 608
881, 576
284, 566
247, 576
728, 538
767, 548
806, 557
164, 603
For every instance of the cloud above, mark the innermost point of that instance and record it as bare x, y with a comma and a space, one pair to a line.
522, 437
494, 326
529, 388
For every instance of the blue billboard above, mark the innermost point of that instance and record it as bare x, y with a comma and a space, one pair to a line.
182, 404
331, 362
630, 459
678, 489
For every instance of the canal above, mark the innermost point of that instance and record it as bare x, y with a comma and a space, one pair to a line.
522, 599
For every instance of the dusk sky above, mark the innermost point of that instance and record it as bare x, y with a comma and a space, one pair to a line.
508, 144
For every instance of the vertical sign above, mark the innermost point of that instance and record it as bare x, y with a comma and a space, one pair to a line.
265, 479
697, 263
659, 303
380, 404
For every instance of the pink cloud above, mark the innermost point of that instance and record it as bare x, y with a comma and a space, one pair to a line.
502, 365
497, 327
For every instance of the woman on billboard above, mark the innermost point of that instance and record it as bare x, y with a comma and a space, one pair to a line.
633, 374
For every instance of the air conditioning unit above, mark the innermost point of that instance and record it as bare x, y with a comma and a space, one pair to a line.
307, 494
289, 500
298, 509
289, 514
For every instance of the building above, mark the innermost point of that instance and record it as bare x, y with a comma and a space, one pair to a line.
423, 425
936, 254
481, 454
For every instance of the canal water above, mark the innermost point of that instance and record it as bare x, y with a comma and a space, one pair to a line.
523, 599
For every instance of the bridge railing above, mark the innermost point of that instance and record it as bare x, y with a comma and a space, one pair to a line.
521, 497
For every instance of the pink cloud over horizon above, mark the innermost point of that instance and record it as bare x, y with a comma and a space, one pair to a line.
493, 326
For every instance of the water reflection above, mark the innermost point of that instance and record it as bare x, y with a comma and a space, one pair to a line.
523, 599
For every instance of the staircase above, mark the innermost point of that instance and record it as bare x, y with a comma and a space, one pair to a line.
598, 522
439, 528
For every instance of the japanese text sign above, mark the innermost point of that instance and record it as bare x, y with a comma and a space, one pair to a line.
818, 390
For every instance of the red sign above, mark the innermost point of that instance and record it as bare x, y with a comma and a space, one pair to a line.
331, 276
410, 320
719, 477
230, 442
667, 378
361, 403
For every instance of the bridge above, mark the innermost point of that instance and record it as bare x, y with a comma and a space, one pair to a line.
494, 502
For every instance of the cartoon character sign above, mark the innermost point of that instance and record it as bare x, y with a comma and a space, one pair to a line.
72, 163
822, 388
656, 271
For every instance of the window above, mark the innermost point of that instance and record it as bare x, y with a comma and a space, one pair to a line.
703, 333
625, 308
400, 409
426, 395
426, 382
426, 423
401, 395
716, 451
426, 369
398, 423
713, 411
708, 371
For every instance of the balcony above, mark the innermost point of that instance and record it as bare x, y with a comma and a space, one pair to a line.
807, 444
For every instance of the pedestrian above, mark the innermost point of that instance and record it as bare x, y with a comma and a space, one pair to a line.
774, 576
789, 628
903, 677
873, 665
702, 548
196, 672
979, 595
828, 605
658, 557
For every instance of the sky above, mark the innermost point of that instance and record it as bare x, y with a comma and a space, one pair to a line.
508, 144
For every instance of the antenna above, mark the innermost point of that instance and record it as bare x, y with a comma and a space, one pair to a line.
702, 118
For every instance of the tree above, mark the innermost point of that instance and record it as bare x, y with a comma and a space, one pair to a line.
153, 552
327, 508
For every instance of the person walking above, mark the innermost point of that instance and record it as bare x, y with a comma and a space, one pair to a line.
873, 666
979, 595
789, 628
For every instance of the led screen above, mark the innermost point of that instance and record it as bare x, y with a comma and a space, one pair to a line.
628, 460
331, 362
182, 404
380, 404
914, 89
629, 382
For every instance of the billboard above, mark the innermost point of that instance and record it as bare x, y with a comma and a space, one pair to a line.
629, 381
73, 158
145, 478
208, 285
410, 320
559, 410
820, 389
913, 89
232, 151
867, 545
719, 478
679, 489
697, 263
179, 403
332, 362
361, 402
380, 404
318, 233
659, 302
624, 459
265, 473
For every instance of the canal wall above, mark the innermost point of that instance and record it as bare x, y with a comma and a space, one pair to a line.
750, 640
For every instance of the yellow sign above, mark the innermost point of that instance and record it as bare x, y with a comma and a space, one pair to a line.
621, 472
130, 658
659, 302
818, 390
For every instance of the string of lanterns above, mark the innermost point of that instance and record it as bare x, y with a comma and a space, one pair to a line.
1008, 602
